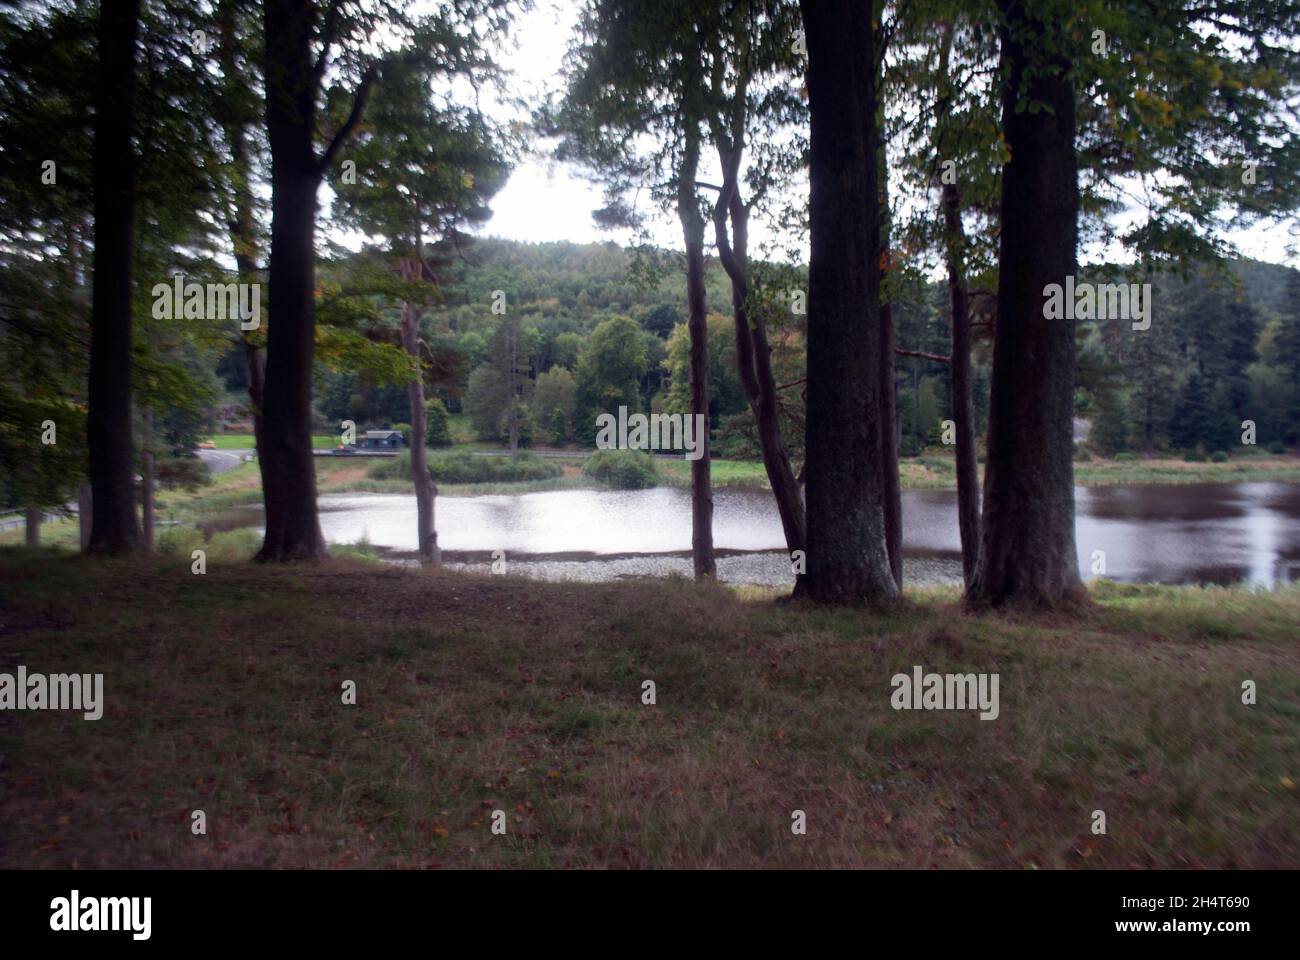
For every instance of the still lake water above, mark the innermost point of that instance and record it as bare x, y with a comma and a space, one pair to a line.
1185, 533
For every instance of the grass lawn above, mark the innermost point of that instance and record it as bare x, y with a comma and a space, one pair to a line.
478, 693
244, 441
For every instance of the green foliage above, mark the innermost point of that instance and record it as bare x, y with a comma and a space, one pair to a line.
459, 466
189, 473
621, 469
1219, 456
438, 424
610, 367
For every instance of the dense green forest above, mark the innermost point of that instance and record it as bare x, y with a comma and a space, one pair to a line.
1222, 348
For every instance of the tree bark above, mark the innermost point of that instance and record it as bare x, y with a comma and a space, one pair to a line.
963, 409
33, 533
891, 486
754, 354
688, 212
242, 227
426, 491
287, 464
1027, 555
85, 514
959, 373
847, 557
108, 422
146, 483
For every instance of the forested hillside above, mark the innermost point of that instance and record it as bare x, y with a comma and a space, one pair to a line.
1237, 329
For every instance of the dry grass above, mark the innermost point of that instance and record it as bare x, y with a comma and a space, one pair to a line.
478, 693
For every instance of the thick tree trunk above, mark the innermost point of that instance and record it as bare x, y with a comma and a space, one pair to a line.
847, 557
754, 354
426, 491
33, 533
688, 212
963, 408
1027, 556
108, 423
288, 469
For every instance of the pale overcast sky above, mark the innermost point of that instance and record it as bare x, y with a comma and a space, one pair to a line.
544, 201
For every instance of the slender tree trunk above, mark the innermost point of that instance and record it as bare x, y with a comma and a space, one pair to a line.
426, 491
108, 423
847, 558
242, 227
891, 486
288, 469
963, 408
688, 212
959, 370
34, 517
514, 398
754, 354
146, 483
1027, 556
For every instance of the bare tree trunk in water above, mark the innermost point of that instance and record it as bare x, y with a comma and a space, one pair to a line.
848, 562
1027, 555
426, 491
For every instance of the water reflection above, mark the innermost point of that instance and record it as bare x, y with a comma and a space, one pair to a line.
1185, 533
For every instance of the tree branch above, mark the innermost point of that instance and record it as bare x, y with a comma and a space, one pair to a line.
354, 117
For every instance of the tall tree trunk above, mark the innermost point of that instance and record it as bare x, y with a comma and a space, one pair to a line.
146, 483
959, 373
426, 491
891, 487
288, 469
108, 423
688, 212
847, 557
963, 408
754, 354
33, 533
242, 227
1028, 556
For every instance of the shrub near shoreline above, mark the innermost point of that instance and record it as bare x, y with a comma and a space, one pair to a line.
621, 469
461, 467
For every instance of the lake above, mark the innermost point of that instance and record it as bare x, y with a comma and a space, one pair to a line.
1183, 533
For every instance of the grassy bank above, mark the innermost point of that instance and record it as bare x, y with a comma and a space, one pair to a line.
245, 441
481, 693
